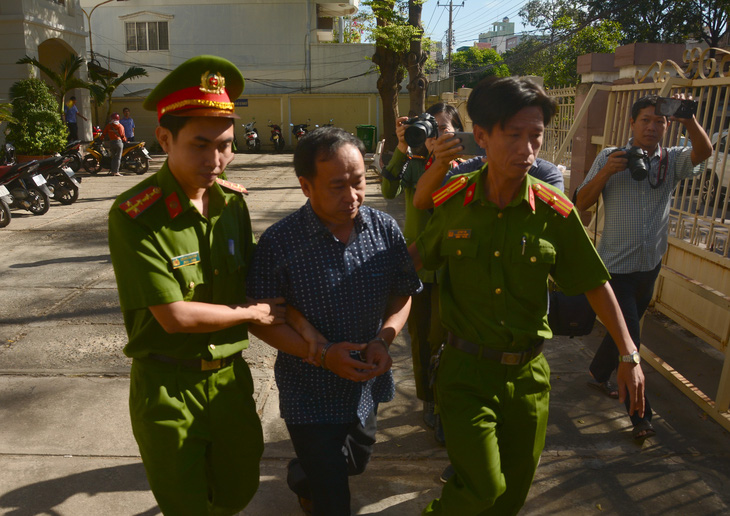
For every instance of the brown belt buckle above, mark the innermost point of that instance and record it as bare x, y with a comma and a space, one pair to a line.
511, 358
209, 365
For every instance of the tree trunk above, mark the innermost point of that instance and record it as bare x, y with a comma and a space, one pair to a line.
415, 61
391, 75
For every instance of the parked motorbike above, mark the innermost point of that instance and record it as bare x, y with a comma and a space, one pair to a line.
299, 130
60, 179
277, 138
329, 124
73, 151
5, 199
26, 188
253, 142
135, 157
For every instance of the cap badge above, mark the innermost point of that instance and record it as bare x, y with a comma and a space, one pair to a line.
212, 83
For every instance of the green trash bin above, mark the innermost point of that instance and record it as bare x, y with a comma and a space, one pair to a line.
368, 134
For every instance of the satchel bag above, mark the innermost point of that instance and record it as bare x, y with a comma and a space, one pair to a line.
571, 316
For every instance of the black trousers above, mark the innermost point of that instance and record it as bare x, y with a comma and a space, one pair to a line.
326, 455
633, 292
73, 131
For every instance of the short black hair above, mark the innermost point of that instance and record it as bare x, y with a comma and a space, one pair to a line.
451, 113
497, 99
643, 103
321, 145
72, 97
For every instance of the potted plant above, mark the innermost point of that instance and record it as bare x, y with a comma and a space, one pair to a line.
38, 131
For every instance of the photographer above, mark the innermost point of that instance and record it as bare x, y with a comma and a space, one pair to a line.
637, 183
401, 176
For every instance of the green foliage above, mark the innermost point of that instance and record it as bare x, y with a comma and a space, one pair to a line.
103, 86
64, 79
474, 64
649, 21
560, 70
39, 128
356, 27
392, 30
6, 113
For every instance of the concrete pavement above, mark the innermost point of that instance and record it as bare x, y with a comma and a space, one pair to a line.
66, 446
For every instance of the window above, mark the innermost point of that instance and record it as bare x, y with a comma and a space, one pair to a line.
144, 36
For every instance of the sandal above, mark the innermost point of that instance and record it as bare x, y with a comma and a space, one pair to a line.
643, 430
607, 388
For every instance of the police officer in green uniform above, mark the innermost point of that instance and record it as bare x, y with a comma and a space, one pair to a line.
500, 233
181, 244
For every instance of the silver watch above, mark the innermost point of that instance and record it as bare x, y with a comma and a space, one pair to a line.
633, 358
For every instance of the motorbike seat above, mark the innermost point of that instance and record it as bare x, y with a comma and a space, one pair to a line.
52, 162
17, 168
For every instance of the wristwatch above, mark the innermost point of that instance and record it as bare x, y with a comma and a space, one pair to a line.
633, 358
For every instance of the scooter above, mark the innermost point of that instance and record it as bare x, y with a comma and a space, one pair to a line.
277, 138
253, 142
26, 188
299, 130
60, 179
135, 157
73, 151
5, 199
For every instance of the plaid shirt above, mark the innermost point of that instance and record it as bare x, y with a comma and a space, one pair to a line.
343, 290
635, 231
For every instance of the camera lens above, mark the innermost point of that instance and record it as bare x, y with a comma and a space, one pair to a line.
638, 163
420, 129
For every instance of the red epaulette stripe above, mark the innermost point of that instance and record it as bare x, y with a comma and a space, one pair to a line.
232, 186
556, 201
448, 190
140, 202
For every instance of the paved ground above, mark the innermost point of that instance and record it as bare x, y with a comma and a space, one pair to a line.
65, 442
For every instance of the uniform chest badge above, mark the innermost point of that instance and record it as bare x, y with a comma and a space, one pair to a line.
185, 259
458, 234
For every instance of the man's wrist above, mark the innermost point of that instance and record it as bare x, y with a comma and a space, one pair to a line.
323, 355
384, 342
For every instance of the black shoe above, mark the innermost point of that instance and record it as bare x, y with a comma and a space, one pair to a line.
439, 431
428, 416
447, 474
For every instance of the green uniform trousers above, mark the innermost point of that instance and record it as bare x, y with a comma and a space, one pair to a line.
427, 334
495, 418
199, 436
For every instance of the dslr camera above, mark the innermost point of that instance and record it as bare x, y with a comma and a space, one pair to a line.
419, 129
638, 162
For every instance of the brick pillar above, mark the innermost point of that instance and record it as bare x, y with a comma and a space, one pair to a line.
594, 69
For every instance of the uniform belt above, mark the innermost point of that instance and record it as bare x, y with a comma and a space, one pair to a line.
196, 364
503, 357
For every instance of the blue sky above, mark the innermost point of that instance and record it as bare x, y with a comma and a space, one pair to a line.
469, 21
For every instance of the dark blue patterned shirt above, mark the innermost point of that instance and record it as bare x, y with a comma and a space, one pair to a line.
343, 290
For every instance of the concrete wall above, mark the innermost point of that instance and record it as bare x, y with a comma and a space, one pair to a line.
274, 43
45, 30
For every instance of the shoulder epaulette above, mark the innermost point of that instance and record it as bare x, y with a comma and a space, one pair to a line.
556, 201
140, 202
232, 186
449, 190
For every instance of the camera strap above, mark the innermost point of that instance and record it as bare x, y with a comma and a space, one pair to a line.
662, 172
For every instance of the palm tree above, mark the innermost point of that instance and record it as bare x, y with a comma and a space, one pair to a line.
6, 114
103, 85
63, 80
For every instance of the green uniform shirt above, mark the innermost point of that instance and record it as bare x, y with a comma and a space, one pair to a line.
144, 252
416, 219
494, 288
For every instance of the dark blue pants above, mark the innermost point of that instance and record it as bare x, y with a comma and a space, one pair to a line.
326, 455
633, 293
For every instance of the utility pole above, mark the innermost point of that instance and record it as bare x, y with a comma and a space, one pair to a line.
450, 32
